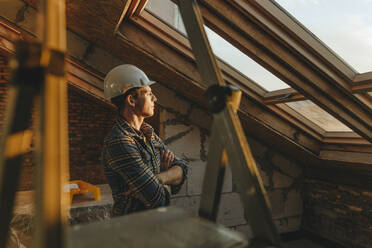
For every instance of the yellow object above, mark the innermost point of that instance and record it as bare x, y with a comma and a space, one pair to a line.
84, 187
18, 144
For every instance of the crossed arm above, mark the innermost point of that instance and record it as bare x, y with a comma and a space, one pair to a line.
174, 170
125, 159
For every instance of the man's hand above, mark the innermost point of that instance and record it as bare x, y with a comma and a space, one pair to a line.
166, 159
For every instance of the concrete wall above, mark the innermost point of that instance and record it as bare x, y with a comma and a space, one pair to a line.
186, 131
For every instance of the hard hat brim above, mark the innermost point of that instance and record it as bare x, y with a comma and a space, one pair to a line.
148, 84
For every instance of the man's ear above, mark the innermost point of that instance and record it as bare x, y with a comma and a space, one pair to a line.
130, 100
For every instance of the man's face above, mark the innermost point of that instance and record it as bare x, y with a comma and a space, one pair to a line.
145, 102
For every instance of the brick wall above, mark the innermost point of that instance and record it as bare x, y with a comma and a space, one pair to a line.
339, 213
89, 121
27, 169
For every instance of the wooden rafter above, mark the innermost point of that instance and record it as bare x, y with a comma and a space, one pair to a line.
362, 83
282, 96
131, 8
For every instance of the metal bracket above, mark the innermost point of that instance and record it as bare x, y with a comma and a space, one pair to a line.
218, 96
32, 59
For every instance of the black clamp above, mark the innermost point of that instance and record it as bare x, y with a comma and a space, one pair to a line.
31, 63
217, 96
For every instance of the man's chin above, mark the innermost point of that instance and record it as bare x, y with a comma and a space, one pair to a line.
147, 115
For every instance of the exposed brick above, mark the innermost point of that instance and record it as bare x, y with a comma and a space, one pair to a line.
338, 212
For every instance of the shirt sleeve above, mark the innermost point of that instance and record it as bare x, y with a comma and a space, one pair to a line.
176, 162
126, 160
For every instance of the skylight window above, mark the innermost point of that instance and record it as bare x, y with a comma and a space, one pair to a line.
318, 116
343, 25
233, 56
169, 13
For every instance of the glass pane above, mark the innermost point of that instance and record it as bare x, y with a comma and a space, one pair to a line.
343, 25
234, 57
168, 12
317, 115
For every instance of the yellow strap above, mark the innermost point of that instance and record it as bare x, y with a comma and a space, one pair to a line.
18, 143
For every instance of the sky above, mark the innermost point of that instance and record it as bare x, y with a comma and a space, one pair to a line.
343, 25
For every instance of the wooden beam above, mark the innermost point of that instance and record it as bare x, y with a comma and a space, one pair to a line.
8, 35
342, 147
84, 79
283, 96
140, 7
362, 88
363, 78
362, 83
349, 157
252, 29
341, 173
124, 14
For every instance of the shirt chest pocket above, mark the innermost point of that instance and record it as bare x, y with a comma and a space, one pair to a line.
158, 147
146, 156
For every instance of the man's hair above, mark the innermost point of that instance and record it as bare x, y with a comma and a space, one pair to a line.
119, 101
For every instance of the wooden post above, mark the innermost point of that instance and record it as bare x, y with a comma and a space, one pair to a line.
52, 152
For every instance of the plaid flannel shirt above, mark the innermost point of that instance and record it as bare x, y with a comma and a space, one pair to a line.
130, 167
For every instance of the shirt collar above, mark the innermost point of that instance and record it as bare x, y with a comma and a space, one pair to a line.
146, 128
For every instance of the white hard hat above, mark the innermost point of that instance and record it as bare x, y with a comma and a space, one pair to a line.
122, 78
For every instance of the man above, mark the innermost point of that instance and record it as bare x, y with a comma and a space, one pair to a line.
140, 170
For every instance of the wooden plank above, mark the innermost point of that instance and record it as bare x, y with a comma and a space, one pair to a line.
348, 147
341, 135
282, 96
124, 14
349, 157
363, 78
78, 70
361, 88
140, 8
